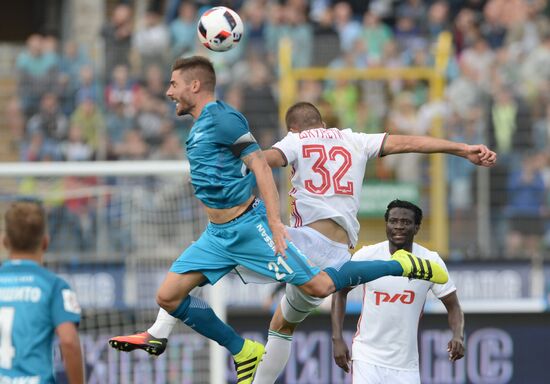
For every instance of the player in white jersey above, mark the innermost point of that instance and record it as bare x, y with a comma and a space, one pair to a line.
385, 349
328, 167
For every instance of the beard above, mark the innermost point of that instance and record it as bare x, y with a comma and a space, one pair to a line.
182, 110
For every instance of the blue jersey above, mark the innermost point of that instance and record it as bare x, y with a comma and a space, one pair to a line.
218, 140
33, 302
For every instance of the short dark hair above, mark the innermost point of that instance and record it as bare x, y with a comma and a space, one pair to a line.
303, 115
25, 225
407, 205
200, 68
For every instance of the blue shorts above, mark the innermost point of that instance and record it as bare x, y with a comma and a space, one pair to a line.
244, 241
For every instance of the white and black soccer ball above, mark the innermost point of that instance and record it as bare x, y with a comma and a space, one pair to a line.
220, 29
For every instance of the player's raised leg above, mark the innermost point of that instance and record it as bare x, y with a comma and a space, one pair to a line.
353, 273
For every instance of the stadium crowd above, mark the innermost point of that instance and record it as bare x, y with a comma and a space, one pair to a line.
73, 106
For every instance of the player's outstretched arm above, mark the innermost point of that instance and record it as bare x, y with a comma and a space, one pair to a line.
69, 343
478, 154
340, 350
257, 163
455, 347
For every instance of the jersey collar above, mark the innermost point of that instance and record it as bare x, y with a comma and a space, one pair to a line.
16, 262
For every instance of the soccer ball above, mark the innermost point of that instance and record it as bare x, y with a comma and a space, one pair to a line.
220, 29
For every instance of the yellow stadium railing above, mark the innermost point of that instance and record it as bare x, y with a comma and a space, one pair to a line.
438, 238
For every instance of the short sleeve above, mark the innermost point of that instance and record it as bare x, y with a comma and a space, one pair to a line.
64, 304
232, 131
371, 143
442, 290
288, 147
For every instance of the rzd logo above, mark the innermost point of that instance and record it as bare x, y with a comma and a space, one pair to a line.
407, 297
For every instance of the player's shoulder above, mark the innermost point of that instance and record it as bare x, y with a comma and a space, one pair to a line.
221, 110
421, 251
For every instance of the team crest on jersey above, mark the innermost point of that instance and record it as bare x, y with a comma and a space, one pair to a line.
70, 303
407, 297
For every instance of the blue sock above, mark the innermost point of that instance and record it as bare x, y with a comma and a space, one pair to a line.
359, 272
197, 314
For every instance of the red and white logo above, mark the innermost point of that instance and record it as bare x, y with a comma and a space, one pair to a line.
407, 297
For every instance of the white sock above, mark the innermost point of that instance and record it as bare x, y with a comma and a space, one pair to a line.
163, 325
277, 353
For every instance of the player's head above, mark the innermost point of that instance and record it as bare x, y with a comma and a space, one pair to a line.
192, 78
303, 116
403, 220
25, 228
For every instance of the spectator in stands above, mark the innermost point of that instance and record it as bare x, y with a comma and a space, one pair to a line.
72, 61
75, 148
36, 74
122, 89
254, 14
117, 35
438, 19
492, 27
155, 84
465, 30
403, 120
150, 115
170, 149
479, 58
88, 86
464, 94
89, 119
413, 10
510, 128
152, 42
15, 123
49, 123
526, 207
300, 33
535, 70
117, 123
133, 147
375, 34
326, 43
183, 30
259, 105
526, 34
408, 34
348, 29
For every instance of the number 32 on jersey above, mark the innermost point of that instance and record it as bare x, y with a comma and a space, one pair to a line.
336, 153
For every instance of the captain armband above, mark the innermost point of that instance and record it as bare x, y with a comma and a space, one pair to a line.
242, 143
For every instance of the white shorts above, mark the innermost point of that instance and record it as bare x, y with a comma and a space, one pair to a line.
366, 373
324, 253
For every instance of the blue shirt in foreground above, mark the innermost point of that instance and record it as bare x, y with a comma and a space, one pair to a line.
33, 302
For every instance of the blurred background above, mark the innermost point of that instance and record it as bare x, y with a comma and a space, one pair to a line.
84, 81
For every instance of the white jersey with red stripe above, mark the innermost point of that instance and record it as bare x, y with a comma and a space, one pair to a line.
328, 166
387, 330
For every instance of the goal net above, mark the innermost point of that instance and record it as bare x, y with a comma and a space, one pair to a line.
115, 229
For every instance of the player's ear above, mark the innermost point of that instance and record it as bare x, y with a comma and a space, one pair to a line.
5, 242
416, 228
324, 125
45, 242
195, 86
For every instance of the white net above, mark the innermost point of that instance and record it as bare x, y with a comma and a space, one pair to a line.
115, 229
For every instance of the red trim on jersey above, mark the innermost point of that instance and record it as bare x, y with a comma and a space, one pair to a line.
294, 212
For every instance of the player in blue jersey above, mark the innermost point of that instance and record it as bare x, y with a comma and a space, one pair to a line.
226, 165
35, 304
